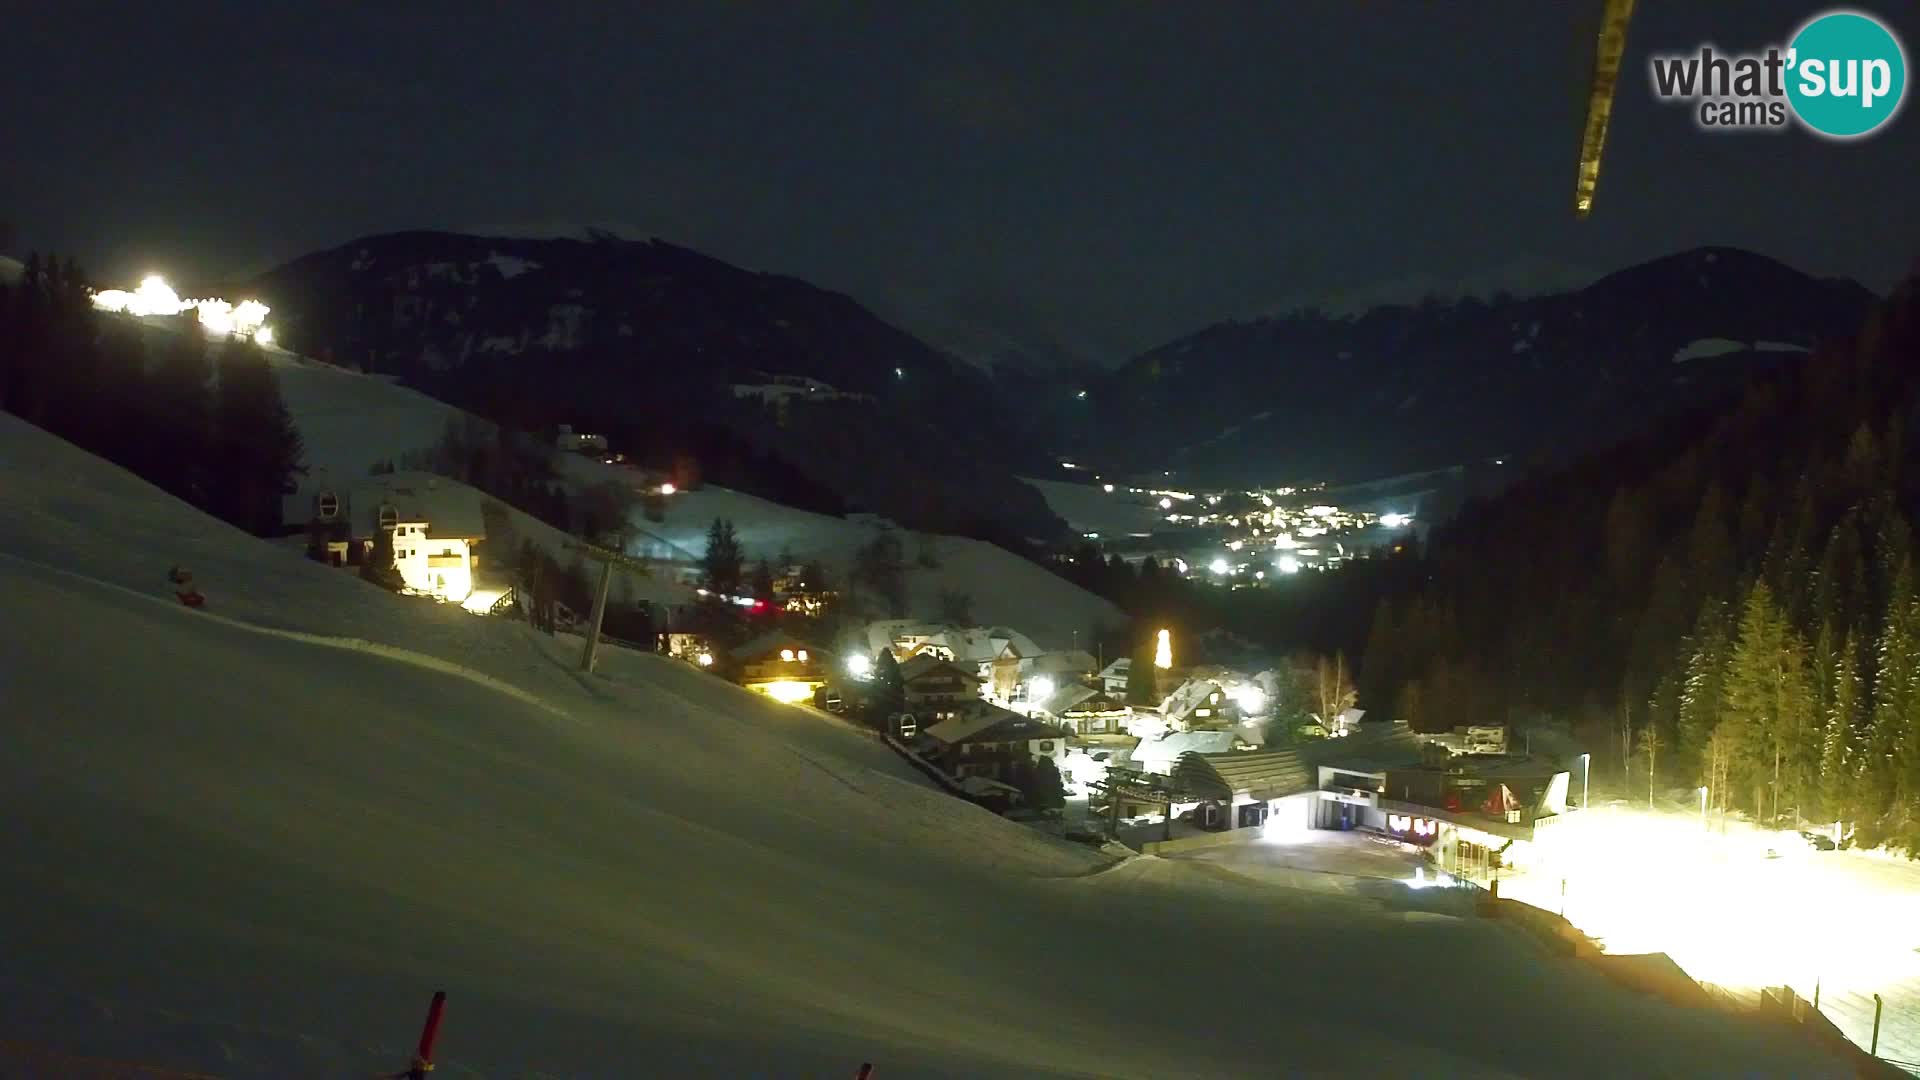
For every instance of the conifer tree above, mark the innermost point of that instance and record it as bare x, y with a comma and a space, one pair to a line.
1838, 736
1890, 773
890, 694
379, 566
181, 398
257, 450
721, 565
1044, 788
1143, 679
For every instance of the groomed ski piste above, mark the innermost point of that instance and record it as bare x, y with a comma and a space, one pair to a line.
251, 840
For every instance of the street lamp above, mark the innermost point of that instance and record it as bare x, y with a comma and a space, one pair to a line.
1586, 767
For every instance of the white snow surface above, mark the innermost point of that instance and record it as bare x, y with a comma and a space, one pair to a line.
1006, 590
254, 839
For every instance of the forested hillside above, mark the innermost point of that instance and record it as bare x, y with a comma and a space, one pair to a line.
1730, 601
205, 424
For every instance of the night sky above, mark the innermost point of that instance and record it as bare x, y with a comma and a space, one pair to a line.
1102, 176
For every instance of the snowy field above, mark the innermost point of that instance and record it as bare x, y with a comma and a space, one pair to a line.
253, 839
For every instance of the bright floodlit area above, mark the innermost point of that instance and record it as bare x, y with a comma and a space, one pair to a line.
1739, 908
1744, 908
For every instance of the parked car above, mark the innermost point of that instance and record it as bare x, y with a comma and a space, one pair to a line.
1818, 841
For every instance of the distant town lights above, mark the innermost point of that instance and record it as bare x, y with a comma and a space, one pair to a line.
1166, 504
1218, 566
1108, 488
668, 489
1288, 564
1395, 521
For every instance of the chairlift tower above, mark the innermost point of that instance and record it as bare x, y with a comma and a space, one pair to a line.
608, 559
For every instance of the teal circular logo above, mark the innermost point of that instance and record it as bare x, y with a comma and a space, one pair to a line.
1847, 74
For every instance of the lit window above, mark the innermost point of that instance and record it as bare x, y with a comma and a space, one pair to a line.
1211, 698
786, 654
1203, 712
803, 656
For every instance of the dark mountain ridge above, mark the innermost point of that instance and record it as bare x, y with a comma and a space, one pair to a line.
1401, 388
648, 339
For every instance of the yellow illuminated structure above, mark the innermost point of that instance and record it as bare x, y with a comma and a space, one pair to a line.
788, 690
782, 667
1163, 651
1606, 74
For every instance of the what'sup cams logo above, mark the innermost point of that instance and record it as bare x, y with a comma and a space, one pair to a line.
1842, 75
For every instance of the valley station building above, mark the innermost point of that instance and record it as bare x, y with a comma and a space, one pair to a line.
1475, 813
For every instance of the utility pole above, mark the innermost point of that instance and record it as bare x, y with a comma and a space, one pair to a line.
608, 558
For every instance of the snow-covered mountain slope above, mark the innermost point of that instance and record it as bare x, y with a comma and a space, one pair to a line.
350, 421
241, 840
1090, 508
1004, 589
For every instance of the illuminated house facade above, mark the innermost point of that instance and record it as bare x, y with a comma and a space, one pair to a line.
782, 667
435, 525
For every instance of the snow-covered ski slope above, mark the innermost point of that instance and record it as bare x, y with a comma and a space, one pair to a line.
252, 840
350, 421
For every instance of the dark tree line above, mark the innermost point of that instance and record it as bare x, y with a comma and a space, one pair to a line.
1728, 602
205, 424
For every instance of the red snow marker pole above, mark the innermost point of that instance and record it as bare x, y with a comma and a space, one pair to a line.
423, 1060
